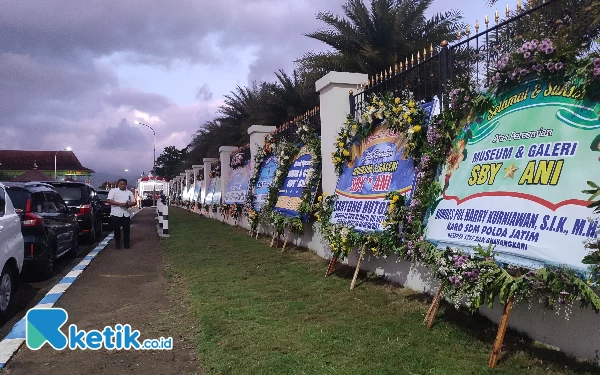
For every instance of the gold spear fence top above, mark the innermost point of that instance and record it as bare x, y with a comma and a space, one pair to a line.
467, 32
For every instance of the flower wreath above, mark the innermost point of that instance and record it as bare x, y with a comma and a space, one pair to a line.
312, 142
215, 171
236, 210
223, 208
403, 115
237, 160
474, 277
554, 59
262, 154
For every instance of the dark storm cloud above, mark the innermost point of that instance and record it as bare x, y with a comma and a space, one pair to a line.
122, 137
138, 99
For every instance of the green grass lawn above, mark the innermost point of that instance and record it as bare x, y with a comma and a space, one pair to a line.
252, 310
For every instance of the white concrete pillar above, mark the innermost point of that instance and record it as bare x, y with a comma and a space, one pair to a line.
225, 157
334, 90
257, 139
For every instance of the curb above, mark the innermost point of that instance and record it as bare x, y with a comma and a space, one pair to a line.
13, 341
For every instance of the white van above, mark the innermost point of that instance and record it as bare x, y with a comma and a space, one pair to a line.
11, 251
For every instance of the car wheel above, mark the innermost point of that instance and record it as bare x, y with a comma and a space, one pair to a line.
92, 233
99, 227
48, 266
7, 289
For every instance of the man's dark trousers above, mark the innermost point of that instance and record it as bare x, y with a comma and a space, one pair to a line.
118, 222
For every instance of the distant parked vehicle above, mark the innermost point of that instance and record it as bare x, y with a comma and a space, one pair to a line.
105, 208
82, 200
49, 229
11, 251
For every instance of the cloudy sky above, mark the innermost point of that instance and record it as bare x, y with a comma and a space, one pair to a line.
80, 73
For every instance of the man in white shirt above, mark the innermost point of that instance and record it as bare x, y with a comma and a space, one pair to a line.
121, 200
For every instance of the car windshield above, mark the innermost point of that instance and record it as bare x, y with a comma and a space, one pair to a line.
18, 197
102, 195
72, 195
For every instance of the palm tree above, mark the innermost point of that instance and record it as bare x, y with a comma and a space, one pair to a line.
371, 39
267, 103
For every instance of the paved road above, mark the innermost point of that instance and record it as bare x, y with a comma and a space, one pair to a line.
32, 289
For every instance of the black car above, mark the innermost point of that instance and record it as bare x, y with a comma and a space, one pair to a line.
82, 200
49, 229
105, 208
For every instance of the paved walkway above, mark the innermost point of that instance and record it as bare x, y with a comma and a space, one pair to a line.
120, 286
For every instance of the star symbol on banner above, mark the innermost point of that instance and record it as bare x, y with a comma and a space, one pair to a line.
510, 171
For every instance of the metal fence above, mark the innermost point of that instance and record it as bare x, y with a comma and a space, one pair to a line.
288, 131
474, 55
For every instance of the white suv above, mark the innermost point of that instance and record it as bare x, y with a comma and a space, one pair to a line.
11, 251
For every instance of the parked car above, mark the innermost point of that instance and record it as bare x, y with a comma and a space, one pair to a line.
11, 251
105, 208
49, 229
82, 200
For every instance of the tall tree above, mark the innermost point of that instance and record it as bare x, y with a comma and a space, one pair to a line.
371, 39
170, 162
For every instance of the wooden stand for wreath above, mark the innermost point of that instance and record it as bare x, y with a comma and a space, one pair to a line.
275, 236
287, 235
501, 332
435, 304
360, 258
331, 266
502, 326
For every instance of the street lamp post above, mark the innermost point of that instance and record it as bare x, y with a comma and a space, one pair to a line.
66, 149
153, 163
